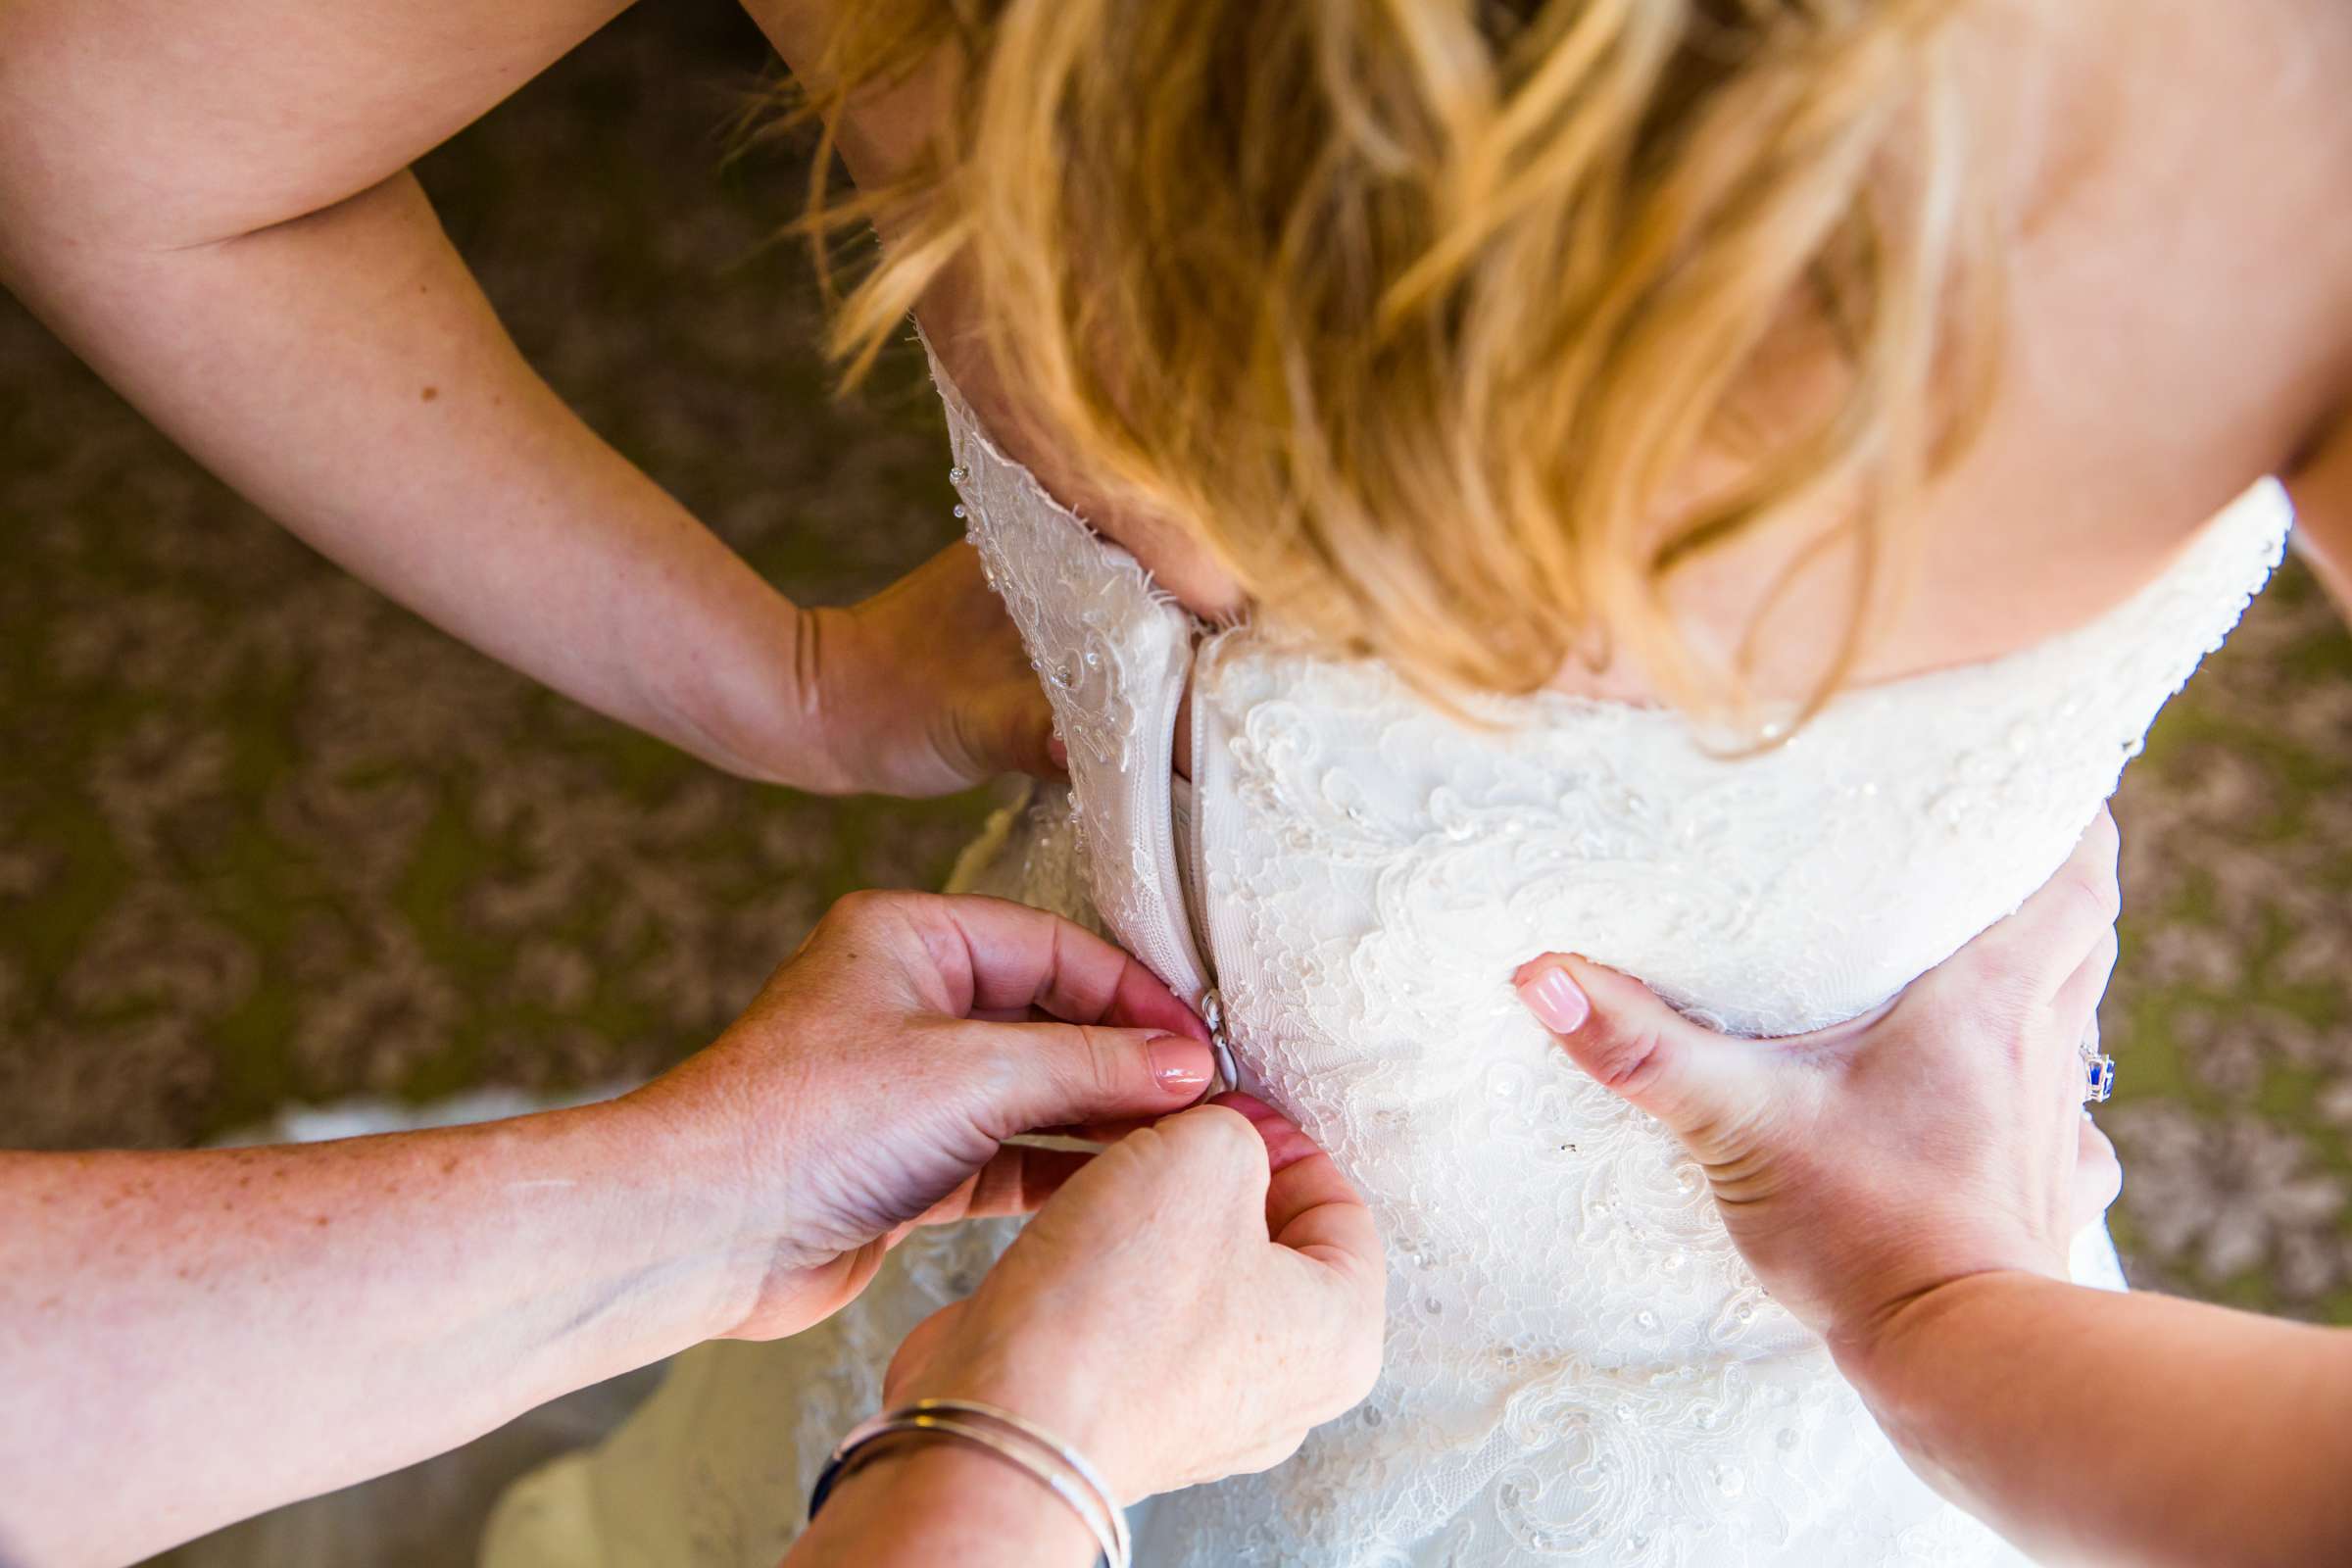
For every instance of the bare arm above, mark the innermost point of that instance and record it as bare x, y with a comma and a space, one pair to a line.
2101, 1428
188, 1337
212, 205
343, 371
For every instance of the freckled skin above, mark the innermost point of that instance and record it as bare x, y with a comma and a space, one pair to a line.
213, 1262
257, 1325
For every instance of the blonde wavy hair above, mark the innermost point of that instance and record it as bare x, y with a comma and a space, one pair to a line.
1420, 314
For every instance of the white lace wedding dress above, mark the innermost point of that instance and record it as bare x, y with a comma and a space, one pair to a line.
1579, 1367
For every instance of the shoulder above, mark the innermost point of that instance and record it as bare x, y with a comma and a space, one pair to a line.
212, 120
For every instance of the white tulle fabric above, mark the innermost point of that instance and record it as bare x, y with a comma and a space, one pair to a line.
1579, 1367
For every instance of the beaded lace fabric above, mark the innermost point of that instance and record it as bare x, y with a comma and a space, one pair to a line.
1580, 1370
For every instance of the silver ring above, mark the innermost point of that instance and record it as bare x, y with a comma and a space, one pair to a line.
2098, 1068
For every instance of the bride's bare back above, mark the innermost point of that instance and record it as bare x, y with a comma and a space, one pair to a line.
2179, 324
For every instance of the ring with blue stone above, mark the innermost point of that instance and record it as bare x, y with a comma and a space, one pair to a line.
2099, 1069
2100, 1073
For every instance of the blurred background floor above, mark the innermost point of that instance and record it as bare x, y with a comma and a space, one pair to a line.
264, 837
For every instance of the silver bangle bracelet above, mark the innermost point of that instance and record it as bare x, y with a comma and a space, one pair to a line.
1019, 1442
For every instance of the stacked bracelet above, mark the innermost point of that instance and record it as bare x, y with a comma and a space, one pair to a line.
1019, 1442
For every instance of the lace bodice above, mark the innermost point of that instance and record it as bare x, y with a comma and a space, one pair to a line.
1579, 1367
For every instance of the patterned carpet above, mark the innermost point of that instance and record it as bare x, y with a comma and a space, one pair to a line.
264, 837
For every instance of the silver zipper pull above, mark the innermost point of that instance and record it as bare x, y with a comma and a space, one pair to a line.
1212, 1014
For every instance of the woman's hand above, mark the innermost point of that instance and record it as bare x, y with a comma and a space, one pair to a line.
1185, 1308
925, 688
1865, 1165
279, 1322
872, 1085
1908, 1184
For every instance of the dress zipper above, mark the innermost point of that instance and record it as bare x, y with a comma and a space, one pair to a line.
1212, 1014
1194, 895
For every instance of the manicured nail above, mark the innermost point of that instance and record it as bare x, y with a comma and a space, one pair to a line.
1060, 752
1557, 1000
1182, 1066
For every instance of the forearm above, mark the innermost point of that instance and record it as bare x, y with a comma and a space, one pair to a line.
932, 1503
188, 1337
345, 373
2137, 1429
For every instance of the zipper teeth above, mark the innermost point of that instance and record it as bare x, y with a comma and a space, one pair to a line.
1212, 999
1171, 960
1181, 952
1195, 892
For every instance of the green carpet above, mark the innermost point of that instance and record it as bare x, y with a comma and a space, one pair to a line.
264, 837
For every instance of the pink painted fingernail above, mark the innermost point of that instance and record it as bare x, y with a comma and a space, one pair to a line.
1181, 1066
1558, 1001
